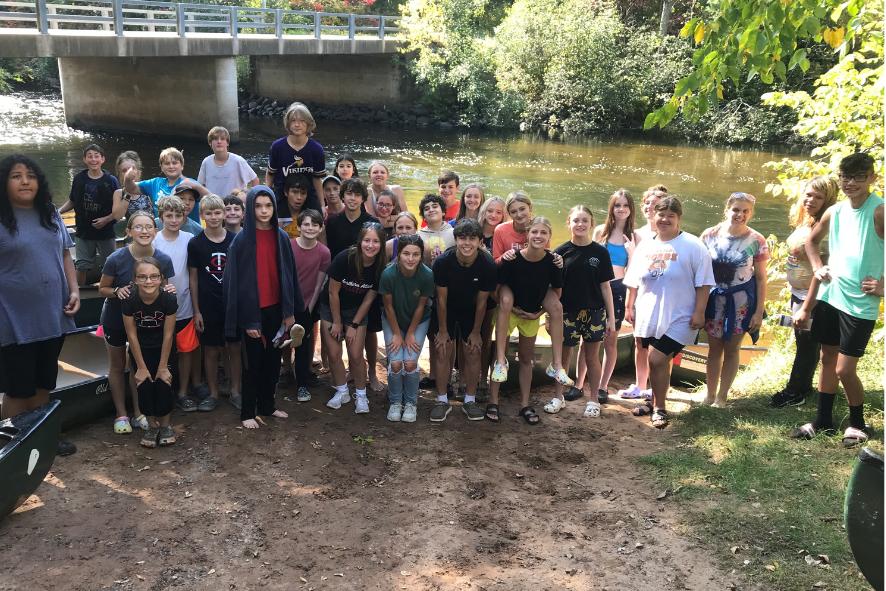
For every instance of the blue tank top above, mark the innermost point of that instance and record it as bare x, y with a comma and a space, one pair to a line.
618, 254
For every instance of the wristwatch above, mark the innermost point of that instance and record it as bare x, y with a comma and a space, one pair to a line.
353, 325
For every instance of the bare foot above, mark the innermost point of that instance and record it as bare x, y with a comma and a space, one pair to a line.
719, 403
708, 401
375, 385
250, 424
280, 414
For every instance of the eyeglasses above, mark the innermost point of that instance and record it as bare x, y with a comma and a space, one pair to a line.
385, 205
141, 228
858, 178
146, 278
376, 225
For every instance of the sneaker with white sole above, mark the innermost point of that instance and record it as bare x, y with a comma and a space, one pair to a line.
339, 399
304, 395
410, 412
394, 412
362, 405
632, 392
592, 410
554, 406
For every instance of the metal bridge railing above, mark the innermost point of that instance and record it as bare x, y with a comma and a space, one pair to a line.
122, 16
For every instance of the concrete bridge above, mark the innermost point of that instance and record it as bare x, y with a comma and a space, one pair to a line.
170, 68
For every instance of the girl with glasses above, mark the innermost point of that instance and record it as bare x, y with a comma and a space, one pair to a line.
386, 210
116, 285
149, 317
378, 177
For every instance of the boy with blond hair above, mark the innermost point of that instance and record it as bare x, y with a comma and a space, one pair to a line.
207, 256
223, 172
172, 163
172, 242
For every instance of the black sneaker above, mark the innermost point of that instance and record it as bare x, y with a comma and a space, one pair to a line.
186, 403
602, 396
312, 382
460, 394
427, 384
200, 392
450, 392
785, 398
287, 378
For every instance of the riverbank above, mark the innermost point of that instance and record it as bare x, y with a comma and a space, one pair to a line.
765, 505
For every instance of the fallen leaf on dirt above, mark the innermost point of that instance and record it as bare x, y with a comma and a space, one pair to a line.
140, 562
519, 476
143, 469
139, 577
811, 561
188, 495
165, 462
825, 558
212, 570
316, 445
638, 545
413, 460
662, 495
819, 584
296, 512
769, 567
405, 573
323, 578
734, 549
303, 580
338, 574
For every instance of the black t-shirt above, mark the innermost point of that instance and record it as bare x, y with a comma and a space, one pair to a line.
149, 318
353, 290
530, 281
463, 283
584, 269
487, 242
93, 199
209, 259
342, 233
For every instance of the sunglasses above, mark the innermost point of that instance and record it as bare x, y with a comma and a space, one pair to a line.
375, 225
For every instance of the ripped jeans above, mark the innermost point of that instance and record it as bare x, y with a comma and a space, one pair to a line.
403, 365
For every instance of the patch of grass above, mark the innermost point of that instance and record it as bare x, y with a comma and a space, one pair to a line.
745, 484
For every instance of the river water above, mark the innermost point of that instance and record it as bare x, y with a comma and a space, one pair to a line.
557, 174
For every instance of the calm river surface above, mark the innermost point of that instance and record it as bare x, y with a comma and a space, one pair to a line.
556, 174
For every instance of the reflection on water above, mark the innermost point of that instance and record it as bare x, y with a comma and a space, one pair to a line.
556, 174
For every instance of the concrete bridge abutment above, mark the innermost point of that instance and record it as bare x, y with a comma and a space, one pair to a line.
181, 96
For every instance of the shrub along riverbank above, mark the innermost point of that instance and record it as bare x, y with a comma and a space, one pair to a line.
765, 505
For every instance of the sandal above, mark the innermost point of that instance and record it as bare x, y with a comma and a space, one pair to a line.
853, 437
554, 406
122, 426
807, 432
592, 410
642, 410
492, 413
660, 418
140, 421
528, 413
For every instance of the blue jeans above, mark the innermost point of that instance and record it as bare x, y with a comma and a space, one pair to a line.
403, 385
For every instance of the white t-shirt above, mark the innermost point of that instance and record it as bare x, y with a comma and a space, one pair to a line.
177, 251
437, 241
666, 274
221, 180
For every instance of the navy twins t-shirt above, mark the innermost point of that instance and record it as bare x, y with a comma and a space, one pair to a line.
285, 160
209, 259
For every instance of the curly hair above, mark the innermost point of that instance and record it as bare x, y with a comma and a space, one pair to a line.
42, 202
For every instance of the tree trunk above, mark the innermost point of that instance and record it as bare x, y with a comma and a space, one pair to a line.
666, 7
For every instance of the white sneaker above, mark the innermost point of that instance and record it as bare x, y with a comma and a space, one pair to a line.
362, 405
339, 399
393, 413
554, 406
632, 392
410, 412
592, 410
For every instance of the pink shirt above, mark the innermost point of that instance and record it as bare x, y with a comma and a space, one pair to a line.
506, 238
309, 263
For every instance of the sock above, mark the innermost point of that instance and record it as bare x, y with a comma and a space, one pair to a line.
824, 418
443, 398
342, 389
470, 398
856, 416
361, 393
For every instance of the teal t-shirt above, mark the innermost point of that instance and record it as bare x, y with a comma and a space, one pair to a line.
406, 291
855, 252
159, 187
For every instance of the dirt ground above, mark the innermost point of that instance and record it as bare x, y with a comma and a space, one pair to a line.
300, 504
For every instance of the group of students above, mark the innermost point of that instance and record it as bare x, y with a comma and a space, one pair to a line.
251, 276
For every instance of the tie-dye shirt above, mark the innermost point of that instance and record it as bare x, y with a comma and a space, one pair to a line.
733, 257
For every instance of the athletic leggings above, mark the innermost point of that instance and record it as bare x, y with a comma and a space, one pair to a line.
155, 398
261, 366
806, 359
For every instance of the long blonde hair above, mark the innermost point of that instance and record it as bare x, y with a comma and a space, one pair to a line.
823, 184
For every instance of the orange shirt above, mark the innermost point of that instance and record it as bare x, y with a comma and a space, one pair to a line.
449, 215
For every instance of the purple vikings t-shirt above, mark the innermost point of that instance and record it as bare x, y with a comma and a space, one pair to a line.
284, 160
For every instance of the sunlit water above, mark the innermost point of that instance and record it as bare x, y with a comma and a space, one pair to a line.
557, 174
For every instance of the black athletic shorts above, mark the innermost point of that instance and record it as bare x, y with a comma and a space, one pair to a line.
665, 344
115, 337
835, 328
213, 334
459, 325
619, 293
373, 323
26, 368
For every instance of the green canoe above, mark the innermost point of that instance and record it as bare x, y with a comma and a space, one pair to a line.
863, 514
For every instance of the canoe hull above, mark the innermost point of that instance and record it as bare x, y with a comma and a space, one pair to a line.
863, 515
31, 444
